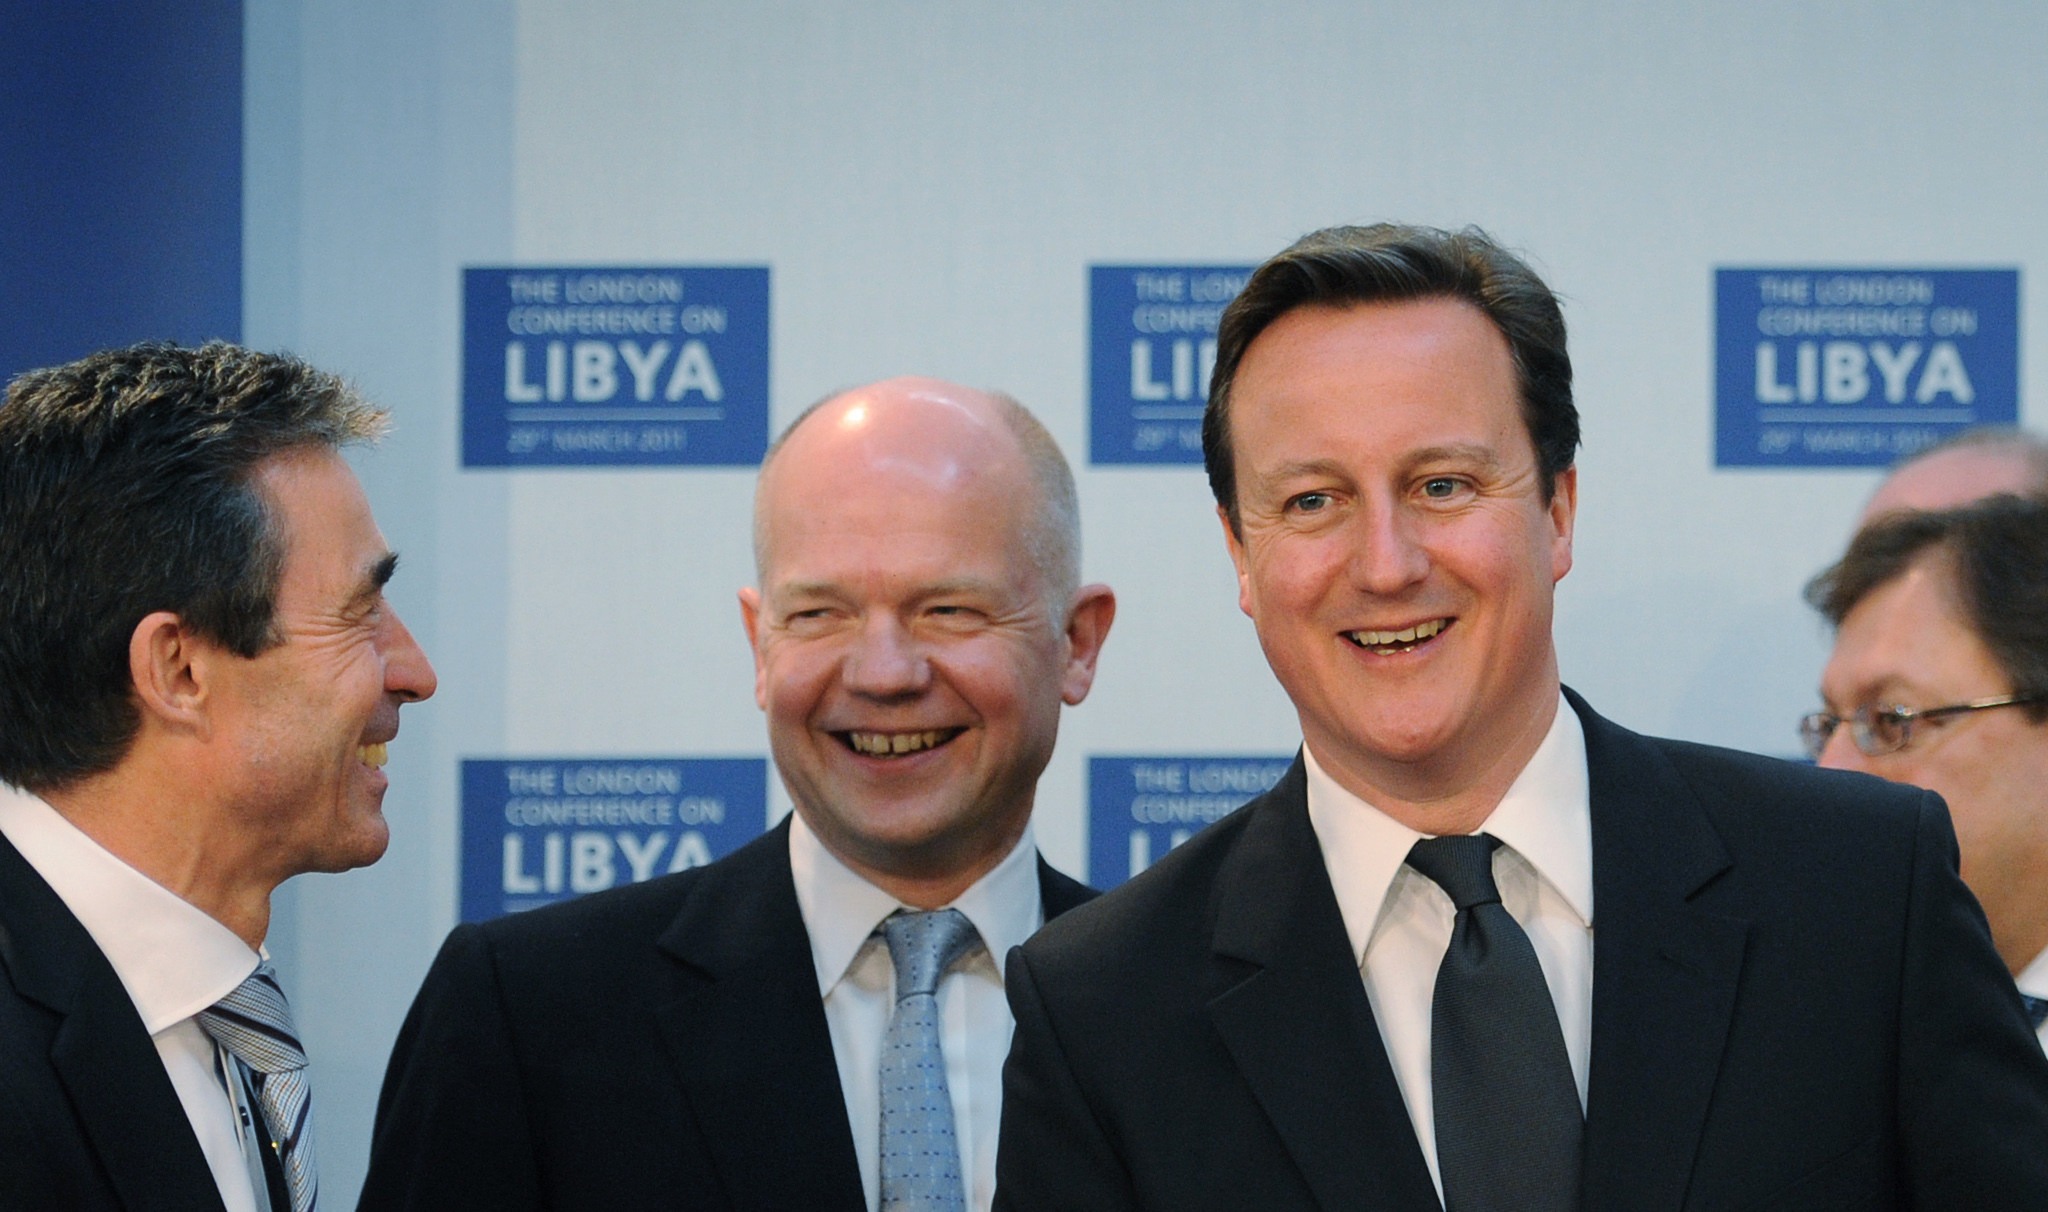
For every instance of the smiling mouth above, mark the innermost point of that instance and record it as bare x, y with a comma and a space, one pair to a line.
896, 744
373, 756
1408, 639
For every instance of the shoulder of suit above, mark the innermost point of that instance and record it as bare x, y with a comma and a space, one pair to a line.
1177, 888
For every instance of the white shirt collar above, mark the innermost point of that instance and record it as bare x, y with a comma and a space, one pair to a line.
841, 910
1545, 817
173, 958
2033, 979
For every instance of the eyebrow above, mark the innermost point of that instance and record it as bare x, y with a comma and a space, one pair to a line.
378, 576
1466, 452
835, 589
1472, 452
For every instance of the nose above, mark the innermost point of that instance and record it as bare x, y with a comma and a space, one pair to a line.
407, 672
1841, 753
885, 661
1387, 555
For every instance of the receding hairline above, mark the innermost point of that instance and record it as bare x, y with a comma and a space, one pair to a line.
1053, 531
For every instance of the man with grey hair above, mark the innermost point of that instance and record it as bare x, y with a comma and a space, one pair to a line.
816, 1021
199, 675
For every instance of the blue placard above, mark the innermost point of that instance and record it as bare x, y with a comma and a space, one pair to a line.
1141, 807
1859, 367
1152, 344
540, 830
576, 367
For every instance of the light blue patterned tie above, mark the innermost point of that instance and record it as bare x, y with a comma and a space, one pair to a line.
920, 1147
255, 1024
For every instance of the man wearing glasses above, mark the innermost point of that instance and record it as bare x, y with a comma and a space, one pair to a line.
1939, 678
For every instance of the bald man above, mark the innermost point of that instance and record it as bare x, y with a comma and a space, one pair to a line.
731, 1037
1970, 466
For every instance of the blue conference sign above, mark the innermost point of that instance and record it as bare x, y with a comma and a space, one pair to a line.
1141, 807
1152, 344
540, 830
574, 367
1859, 367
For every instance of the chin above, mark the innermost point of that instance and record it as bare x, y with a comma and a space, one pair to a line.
364, 846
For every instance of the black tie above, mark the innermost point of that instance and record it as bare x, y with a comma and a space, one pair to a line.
1508, 1121
2037, 1009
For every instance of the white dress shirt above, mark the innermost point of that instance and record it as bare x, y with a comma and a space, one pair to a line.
172, 957
1399, 921
858, 982
2033, 982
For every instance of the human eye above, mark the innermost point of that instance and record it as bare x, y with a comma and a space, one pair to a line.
1442, 488
1889, 725
955, 615
1308, 502
807, 620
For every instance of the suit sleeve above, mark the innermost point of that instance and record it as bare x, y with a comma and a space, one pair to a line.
1973, 1084
1053, 1154
453, 1130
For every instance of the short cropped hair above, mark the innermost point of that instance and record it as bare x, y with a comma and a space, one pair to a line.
1053, 536
127, 487
1393, 262
1997, 549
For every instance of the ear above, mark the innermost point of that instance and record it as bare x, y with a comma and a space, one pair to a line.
172, 670
1564, 514
750, 618
1237, 560
1088, 621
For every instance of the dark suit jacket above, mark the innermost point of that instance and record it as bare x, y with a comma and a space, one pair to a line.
661, 1045
88, 1117
1795, 1006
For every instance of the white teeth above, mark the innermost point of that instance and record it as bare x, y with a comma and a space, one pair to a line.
373, 755
890, 744
1407, 635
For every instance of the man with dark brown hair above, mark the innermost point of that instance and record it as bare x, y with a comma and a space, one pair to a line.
1939, 678
1380, 985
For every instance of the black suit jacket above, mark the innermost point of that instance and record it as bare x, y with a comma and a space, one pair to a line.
88, 1117
661, 1045
1795, 1006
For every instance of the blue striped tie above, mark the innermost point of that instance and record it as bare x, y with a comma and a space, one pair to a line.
255, 1024
920, 1145
2037, 1009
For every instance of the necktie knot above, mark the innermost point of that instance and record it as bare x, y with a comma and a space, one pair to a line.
2037, 1009
1461, 865
255, 1023
923, 945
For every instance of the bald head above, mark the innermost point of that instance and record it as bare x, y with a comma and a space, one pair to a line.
1975, 464
947, 437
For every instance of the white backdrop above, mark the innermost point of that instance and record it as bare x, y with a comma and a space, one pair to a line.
929, 183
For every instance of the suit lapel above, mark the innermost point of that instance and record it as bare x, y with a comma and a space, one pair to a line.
100, 1052
1057, 893
1664, 972
749, 1038
1293, 1014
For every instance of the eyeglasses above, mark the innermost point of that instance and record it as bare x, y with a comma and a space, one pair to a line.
1889, 729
